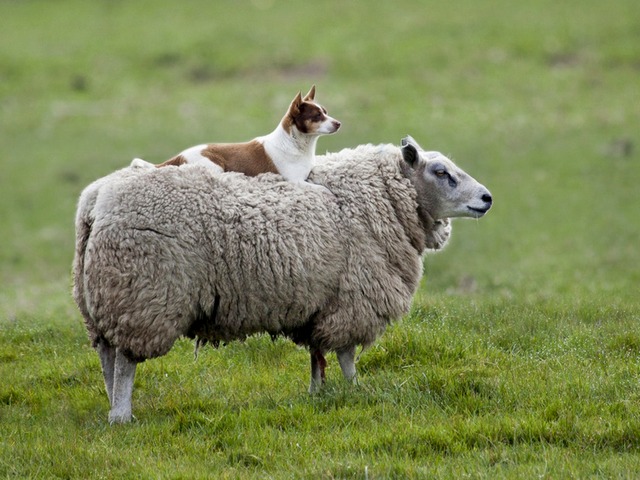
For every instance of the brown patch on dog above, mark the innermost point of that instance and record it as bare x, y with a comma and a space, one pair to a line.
175, 161
249, 158
309, 114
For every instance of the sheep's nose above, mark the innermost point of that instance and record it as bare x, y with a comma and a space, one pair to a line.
487, 198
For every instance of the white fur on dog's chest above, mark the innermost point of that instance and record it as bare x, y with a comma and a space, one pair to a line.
294, 168
293, 158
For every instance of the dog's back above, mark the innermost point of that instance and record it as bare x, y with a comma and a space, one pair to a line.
249, 158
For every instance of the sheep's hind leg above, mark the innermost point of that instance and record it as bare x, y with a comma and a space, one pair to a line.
318, 364
346, 358
124, 373
107, 355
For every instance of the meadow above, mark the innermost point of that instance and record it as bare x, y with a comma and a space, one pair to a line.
521, 355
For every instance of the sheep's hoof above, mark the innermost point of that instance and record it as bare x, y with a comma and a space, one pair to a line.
315, 387
118, 418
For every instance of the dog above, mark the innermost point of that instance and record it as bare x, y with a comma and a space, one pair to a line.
289, 150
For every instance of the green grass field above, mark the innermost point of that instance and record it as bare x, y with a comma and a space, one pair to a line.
521, 356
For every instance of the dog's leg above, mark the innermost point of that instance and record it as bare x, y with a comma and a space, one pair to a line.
346, 359
107, 355
318, 364
124, 373
140, 163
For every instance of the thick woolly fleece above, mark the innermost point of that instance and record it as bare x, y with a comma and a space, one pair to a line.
162, 253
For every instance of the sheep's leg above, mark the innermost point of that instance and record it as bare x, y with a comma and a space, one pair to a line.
318, 364
107, 355
124, 373
346, 358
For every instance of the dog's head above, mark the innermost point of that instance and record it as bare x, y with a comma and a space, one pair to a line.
308, 117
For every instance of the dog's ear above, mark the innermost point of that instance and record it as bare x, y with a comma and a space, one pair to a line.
409, 140
294, 108
410, 153
309, 97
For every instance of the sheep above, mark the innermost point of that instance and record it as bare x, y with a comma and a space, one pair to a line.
181, 251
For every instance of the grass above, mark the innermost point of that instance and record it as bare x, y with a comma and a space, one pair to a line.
521, 356
449, 391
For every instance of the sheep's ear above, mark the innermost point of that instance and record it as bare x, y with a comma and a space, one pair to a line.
409, 140
410, 154
311, 95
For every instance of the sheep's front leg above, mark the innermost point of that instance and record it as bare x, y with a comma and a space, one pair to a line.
318, 364
107, 355
123, 375
346, 358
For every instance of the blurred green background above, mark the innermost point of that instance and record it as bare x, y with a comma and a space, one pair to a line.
540, 101
521, 357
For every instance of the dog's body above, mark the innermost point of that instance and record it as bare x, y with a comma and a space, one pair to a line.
289, 150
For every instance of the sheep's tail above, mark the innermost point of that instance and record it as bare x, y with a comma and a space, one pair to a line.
83, 231
84, 224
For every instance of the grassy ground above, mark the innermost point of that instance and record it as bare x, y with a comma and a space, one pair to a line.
521, 356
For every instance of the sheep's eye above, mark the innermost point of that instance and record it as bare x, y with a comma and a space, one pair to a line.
440, 173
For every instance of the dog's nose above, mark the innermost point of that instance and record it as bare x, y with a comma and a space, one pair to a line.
487, 198
336, 124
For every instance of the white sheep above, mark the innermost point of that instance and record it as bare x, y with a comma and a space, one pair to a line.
162, 253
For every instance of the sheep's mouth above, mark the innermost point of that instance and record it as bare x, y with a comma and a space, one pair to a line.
478, 212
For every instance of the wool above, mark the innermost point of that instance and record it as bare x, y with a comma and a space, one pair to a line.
180, 251
162, 253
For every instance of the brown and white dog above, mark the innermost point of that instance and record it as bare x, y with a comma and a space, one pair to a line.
289, 150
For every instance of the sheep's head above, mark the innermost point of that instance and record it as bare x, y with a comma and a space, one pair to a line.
444, 190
